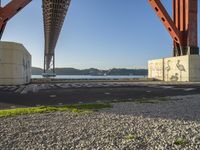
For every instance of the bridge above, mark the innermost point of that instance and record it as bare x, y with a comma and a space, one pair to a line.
182, 27
54, 12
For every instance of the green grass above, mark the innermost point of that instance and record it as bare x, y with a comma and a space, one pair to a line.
92, 106
151, 101
142, 100
181, 141
130, 137
76, 108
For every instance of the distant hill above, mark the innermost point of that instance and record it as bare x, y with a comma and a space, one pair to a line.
93, 71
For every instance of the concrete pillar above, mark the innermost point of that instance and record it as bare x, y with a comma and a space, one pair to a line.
185, 16
15, 64
181, 68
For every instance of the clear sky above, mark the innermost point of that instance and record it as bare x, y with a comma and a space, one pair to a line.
97, 33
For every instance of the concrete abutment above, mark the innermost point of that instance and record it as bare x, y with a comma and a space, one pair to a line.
15, 64
182, 68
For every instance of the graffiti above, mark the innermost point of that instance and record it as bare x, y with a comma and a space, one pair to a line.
168, 68
26, 66
174, 77
151, 70
155, 70
181, 68
158, 68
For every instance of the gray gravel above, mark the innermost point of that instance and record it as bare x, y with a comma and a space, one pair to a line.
176, 107
106, 130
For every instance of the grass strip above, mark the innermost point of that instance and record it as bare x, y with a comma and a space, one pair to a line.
142, 100
181, 141
76, 108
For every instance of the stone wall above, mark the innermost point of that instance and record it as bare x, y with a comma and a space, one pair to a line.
182, 68
15, 64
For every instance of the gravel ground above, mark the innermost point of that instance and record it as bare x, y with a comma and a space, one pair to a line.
177, 107
106, 130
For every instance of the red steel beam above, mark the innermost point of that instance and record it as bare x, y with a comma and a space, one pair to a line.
9, 11
166, 19
183, 28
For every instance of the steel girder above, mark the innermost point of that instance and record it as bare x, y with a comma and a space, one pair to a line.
183, 27
54, 12
9, 11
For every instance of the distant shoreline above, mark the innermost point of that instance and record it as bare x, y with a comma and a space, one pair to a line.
95, 72
93, 77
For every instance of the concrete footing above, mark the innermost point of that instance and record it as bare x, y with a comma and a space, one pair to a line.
15, 64
183, 68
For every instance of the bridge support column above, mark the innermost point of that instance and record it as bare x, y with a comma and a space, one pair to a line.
50, 71
185, 18
54, 64
183, 27
184, 66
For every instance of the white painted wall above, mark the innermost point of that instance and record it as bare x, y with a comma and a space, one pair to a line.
15, 64
182, 68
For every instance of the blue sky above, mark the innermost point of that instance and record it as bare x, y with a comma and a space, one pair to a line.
97, 33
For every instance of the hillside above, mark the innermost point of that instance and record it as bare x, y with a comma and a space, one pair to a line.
93, 71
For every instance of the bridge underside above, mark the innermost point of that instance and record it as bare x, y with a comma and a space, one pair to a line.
54, 12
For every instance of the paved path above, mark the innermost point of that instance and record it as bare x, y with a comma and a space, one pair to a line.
68, 93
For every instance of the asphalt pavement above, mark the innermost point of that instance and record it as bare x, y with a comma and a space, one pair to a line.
64, 93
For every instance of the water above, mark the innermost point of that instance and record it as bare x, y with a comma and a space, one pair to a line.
89, 77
